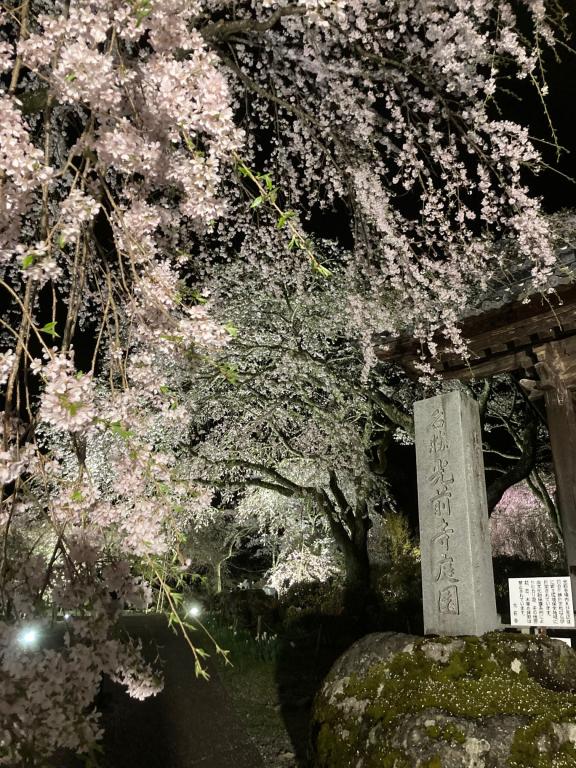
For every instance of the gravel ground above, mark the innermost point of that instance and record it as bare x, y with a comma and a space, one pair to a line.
255, 697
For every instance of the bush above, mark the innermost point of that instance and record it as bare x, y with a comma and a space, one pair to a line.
396, 575
247, 609
310, 599
245, 648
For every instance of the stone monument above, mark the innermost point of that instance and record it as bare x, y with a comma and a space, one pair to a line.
457, 576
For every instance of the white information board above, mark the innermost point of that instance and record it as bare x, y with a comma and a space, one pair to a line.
541, 602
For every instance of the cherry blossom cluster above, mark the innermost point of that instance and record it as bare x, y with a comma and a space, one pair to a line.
295, 433
169, 119
61, 681
76, 210
135, 142
521, 526
38, 265
301, 566
14, 461
399, 108
68, 398
6, 364
23, 170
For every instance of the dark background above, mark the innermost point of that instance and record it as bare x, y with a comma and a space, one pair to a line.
556, 191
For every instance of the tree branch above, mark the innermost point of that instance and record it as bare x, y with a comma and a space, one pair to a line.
341, 500
269, 486
538, 488
281, 480
526, 442
224, 29
397, 416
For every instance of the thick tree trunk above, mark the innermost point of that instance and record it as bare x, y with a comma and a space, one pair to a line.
357, 566
350, 530
358, 596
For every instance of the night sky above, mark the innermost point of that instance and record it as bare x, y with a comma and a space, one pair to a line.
556, 191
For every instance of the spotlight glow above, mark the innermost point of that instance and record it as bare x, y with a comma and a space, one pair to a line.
194, 610
28, 637
67, 617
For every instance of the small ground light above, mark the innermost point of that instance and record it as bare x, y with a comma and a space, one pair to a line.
28, 636
194, 611
67, 617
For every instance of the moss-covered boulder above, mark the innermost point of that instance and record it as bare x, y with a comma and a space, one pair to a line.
399, 701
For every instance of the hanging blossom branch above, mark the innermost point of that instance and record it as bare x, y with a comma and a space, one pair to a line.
268, 194
90, 196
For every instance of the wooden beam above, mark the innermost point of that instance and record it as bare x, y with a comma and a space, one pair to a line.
556, 367
517, 324
492, 366
476, 367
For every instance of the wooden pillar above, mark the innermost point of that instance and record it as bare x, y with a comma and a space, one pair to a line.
557, 372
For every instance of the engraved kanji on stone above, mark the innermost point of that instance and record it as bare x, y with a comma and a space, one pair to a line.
448, 600
438, 442
440, 478
445, 570
441, 505
457, 579
443, 537
438, 418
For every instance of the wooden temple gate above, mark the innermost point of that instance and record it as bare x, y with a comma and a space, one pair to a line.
537, 337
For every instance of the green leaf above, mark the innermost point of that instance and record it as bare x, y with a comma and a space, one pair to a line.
231, 329
192, 295
200, 671
190, 626
61, 241
229, 372
317, 267
172, 338
257, 202
117, 429
283, 218
189, 143
70, 77
50, 329
295, 242
142, 10
29, 259
173, 622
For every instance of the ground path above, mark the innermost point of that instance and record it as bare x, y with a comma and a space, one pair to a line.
191, 724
